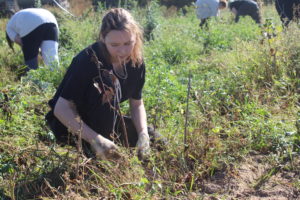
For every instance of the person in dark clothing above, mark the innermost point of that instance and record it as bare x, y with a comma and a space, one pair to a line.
288, 10
99, 78
245, 8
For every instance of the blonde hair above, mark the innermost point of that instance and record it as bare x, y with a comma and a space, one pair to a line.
121, 20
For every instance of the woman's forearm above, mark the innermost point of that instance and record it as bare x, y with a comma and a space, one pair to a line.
66, 113
18, 40
11, 33
138, 115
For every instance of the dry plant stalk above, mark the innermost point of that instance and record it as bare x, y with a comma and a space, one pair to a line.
79, 145
108, 92
186, 114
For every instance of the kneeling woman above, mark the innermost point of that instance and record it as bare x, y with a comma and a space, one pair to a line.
100, 77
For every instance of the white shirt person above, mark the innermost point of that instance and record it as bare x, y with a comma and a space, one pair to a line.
208, 8
34, 29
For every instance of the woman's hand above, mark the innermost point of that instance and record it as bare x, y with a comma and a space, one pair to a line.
143, 145
105, 148
138, 115
65, 111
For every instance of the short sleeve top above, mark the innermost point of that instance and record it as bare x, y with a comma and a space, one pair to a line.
207, 8
78, 86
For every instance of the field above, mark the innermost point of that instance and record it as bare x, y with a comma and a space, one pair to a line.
226, 98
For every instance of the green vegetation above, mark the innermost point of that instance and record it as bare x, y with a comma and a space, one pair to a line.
244, 98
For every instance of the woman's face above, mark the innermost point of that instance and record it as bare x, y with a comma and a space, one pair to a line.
119, 45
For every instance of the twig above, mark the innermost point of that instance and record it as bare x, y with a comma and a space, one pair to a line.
123, 127
266, 177
157, 107
187, 111
102, 89
52, 189
79, 147
64, 9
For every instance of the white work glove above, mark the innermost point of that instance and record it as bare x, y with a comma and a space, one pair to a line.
105, 148
143, 145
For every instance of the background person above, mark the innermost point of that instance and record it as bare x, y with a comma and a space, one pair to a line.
100, 77
245, 8
207, 9
34, 29
288, 10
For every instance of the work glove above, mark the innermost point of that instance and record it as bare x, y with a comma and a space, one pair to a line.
143, 145
105, 148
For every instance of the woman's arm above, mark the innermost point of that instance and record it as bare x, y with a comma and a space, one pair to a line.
139, 118
11, 29
65, 112
18, 40
138, 115
236, 13
14, 36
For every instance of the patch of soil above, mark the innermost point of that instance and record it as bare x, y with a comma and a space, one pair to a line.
254, 179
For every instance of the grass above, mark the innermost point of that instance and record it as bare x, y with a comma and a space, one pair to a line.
244, 98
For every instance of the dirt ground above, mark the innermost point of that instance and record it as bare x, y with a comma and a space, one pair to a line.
254, 179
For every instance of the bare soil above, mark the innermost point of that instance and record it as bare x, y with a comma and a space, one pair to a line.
255, 179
